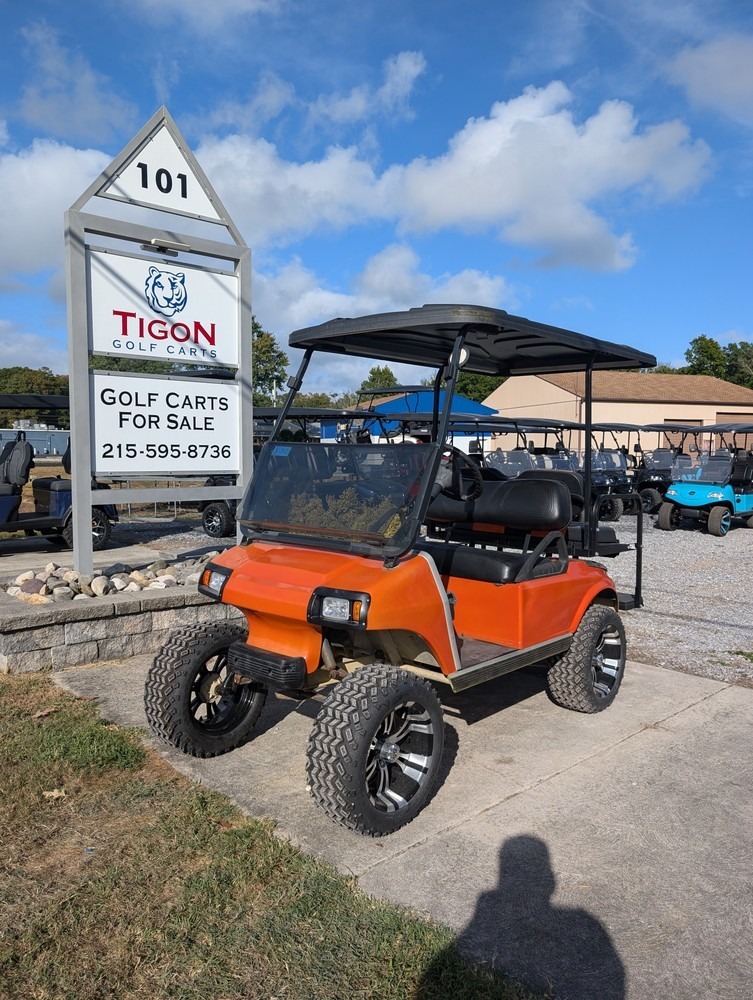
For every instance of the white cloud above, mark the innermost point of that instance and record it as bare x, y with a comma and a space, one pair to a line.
392, 98
203, 15
32, 350
274, 200
45, 179
718, 75
67, 97
270, 98
533, 173
294, 296
529, 172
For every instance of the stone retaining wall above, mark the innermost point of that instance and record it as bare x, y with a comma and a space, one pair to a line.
54, 636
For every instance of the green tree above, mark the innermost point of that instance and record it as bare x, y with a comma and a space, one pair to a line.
21, 379
315, 400
269, 366
739, 363
477, 387
705, 357
666, 369
105, 363
379, 377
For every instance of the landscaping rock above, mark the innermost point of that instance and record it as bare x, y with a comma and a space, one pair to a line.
100, 586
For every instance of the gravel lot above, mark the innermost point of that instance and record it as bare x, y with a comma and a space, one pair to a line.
698, 600
697, 590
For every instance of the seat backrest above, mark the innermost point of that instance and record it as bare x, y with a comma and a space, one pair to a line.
4, 456
572, 480
19, 462
66, 459
742, 472
528, 504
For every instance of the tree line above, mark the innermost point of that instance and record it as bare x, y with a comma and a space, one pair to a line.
704, 356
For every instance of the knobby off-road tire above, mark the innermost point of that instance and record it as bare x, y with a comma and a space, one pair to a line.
669, 517
611, 509
191, 701
375, 749
101, 530
719, 522
217, 520
651, 500
588, 676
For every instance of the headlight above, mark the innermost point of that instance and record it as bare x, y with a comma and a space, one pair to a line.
338, 607
716, 495
671, 493
213, 579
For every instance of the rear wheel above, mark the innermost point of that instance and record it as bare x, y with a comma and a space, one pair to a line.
374, 753
217, 520
650, 500
669, 517
101, 530
588, 676
719, 521
191, 699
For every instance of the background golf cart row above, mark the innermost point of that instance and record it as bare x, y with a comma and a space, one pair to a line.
52, 514
632, 466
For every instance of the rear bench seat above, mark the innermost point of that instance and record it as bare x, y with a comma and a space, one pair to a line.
540, 508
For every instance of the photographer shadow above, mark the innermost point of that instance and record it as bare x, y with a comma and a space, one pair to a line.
517, 931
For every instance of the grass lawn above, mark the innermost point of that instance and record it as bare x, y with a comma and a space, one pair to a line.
119, 878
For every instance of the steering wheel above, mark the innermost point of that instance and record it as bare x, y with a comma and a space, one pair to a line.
450, 478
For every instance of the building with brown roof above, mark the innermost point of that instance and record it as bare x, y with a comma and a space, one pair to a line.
626, 397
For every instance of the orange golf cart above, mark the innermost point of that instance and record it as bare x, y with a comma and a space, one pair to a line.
377, 571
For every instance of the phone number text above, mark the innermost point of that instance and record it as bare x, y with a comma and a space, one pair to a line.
166, 451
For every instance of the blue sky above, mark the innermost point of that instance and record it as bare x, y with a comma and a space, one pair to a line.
586, 164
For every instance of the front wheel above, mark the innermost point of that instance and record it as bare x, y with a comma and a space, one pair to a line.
719, 521
611, 508
669, 517
588, 676
375, 749
651, 500
191, 699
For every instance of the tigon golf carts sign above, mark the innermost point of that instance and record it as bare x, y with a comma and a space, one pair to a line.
146, 424
142, 309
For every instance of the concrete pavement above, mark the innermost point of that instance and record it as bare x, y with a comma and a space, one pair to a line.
610, 855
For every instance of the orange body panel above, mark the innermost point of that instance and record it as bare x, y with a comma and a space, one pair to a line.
523, 614
273, 583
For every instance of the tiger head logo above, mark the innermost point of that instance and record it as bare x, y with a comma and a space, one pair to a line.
165, 291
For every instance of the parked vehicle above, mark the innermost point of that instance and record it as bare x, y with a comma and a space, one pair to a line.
653, 475
52, 515
715, 491
343, 594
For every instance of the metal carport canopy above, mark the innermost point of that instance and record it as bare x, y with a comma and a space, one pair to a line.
498, 343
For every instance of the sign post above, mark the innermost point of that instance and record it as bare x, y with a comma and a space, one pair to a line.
142, 290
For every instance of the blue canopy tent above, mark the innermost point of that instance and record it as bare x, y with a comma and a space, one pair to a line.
415, 400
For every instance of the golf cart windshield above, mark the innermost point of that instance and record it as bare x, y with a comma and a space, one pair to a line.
715, 469
608, 460
359, 497
510, 463
660, 459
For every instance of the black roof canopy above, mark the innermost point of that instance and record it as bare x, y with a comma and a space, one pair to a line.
498, 343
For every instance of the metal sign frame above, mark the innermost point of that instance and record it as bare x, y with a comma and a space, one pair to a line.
82, 229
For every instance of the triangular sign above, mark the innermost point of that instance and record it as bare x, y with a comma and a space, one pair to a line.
157, 170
